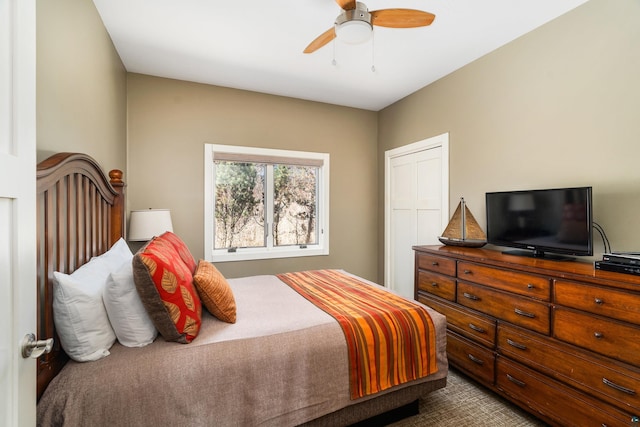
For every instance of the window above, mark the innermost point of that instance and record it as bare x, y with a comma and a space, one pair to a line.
263, 203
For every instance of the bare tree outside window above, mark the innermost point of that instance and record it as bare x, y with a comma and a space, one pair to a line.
240, 214
239, 205
294, 211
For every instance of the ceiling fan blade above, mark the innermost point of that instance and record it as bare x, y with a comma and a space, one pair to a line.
321, 40
347, 4
401, 18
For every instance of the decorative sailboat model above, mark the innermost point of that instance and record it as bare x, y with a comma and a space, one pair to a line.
463, 229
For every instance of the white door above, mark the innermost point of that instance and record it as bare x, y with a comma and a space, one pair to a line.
416, 205
17, 210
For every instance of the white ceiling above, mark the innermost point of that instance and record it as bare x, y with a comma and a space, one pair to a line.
257, 45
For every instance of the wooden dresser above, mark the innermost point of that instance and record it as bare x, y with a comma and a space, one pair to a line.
558, 338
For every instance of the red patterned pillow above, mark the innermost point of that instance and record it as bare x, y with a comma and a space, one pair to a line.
182, 249
165, 286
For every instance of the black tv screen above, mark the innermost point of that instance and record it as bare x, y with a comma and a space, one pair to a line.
552, 220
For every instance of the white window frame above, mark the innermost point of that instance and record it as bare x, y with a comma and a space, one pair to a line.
245, 254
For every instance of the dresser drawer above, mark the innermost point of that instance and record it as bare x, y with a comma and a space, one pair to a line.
602, 335
621, 305
529, 285
475, 360
608, 381
518, 310
435, 263
437, 284
552, 399
475, 326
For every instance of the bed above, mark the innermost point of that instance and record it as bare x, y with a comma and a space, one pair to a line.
283, 361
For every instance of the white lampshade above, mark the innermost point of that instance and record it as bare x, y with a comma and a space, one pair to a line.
145, 224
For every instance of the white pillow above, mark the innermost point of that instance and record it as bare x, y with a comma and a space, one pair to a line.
79, 314
78, 310
127, 315
117, 255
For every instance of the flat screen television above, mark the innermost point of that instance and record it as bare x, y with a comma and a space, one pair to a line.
542, 222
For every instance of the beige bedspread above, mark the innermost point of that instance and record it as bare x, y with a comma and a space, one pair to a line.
282, 363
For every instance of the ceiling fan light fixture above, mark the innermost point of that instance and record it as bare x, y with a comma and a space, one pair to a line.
355, 23
354, 32
354, 26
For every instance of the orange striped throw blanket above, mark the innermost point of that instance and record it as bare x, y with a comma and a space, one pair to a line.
391, 340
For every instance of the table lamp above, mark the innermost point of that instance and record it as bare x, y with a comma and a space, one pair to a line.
148, 223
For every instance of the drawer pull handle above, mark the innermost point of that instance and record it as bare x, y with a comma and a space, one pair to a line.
598, 301
477, 328
434, 284
435, 263
530, 286
516, 381
468, 272
475, 359
516, 344
470, 296
524, 313
598, 335
618, 387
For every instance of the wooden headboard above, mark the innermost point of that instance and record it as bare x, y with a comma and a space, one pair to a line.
80, 215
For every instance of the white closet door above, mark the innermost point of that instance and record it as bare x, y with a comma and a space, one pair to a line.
416, 206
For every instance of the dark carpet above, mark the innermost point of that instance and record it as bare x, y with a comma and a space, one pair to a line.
462, 403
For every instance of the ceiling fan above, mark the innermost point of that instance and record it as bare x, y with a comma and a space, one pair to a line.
355, 23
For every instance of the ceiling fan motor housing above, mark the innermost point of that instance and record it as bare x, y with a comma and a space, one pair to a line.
354, 26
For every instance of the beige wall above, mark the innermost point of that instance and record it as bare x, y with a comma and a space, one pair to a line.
170, 120
80, 84
558, 107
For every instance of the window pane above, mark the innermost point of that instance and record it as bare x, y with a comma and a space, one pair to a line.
295, 201
239, 205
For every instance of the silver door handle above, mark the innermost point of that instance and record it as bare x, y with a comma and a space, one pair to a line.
35, 348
